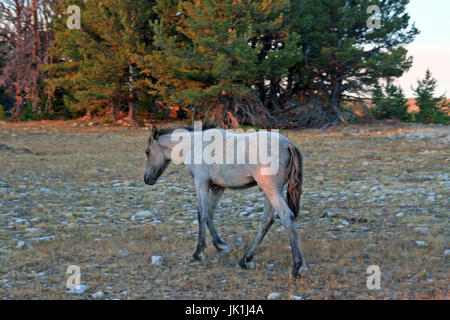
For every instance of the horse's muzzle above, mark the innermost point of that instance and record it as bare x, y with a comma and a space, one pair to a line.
149, 180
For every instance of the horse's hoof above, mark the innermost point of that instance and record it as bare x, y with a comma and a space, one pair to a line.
298, 269
199, 256
222, 247
243, 264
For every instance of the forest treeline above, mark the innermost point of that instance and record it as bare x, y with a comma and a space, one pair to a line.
230, 62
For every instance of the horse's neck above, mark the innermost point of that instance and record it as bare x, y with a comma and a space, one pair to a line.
167, 144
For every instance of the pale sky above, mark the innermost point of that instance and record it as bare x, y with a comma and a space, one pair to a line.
431, 49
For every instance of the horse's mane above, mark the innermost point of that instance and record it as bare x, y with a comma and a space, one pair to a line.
171, 128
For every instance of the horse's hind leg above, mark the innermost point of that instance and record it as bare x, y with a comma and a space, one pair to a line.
288, 220
215, 194
274, 194
264, 225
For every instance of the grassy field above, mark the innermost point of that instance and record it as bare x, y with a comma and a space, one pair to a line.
71, 194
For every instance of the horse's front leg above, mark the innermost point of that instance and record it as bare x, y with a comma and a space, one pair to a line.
202, 190
215, 194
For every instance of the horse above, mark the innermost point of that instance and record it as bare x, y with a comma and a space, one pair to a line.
212, 178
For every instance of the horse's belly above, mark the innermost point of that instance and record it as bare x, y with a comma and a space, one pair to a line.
226, 177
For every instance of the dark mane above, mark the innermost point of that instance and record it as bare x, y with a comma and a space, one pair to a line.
171, 128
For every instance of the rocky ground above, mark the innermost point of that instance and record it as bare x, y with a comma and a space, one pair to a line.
73, 194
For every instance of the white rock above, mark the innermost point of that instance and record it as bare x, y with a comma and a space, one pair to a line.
421, 229
447, 252
157, 260
345, 223
296, 297
78, 290
422, 243
133, 218
273, 296
270, 266
144, 214
400, 214
98, 295
256, 214
20, 244
22, 221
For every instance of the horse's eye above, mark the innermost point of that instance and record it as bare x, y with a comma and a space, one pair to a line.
147, 152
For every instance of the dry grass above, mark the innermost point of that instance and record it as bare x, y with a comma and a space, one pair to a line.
81, 185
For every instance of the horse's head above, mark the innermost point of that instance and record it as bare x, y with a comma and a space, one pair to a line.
156, 161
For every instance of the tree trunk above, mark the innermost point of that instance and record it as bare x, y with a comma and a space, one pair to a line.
131, 110
131, 99
35, 55
113, 112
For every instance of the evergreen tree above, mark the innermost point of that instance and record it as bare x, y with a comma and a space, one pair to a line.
342, 55
97, 65
223, 54
431, 109
390, 103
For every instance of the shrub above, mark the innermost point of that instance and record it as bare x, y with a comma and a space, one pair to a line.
390, 103
2, 113
431, 109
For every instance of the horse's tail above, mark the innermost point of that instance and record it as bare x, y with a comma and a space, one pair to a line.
294, 180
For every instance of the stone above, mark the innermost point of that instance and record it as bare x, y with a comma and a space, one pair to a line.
157, 260
144, 214
273, 296
421, 229
78, 289
422, 244
20, 244
98, 295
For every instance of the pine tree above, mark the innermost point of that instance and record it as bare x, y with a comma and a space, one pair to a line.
431, 109
223, 57
97, 65
390, 103
343, 57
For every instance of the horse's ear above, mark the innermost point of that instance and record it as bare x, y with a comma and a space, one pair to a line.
155, 132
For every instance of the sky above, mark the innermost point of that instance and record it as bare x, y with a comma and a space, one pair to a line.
431, 48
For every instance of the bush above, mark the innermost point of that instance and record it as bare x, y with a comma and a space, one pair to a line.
28, 113
2, 113
390, 103
431, 109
